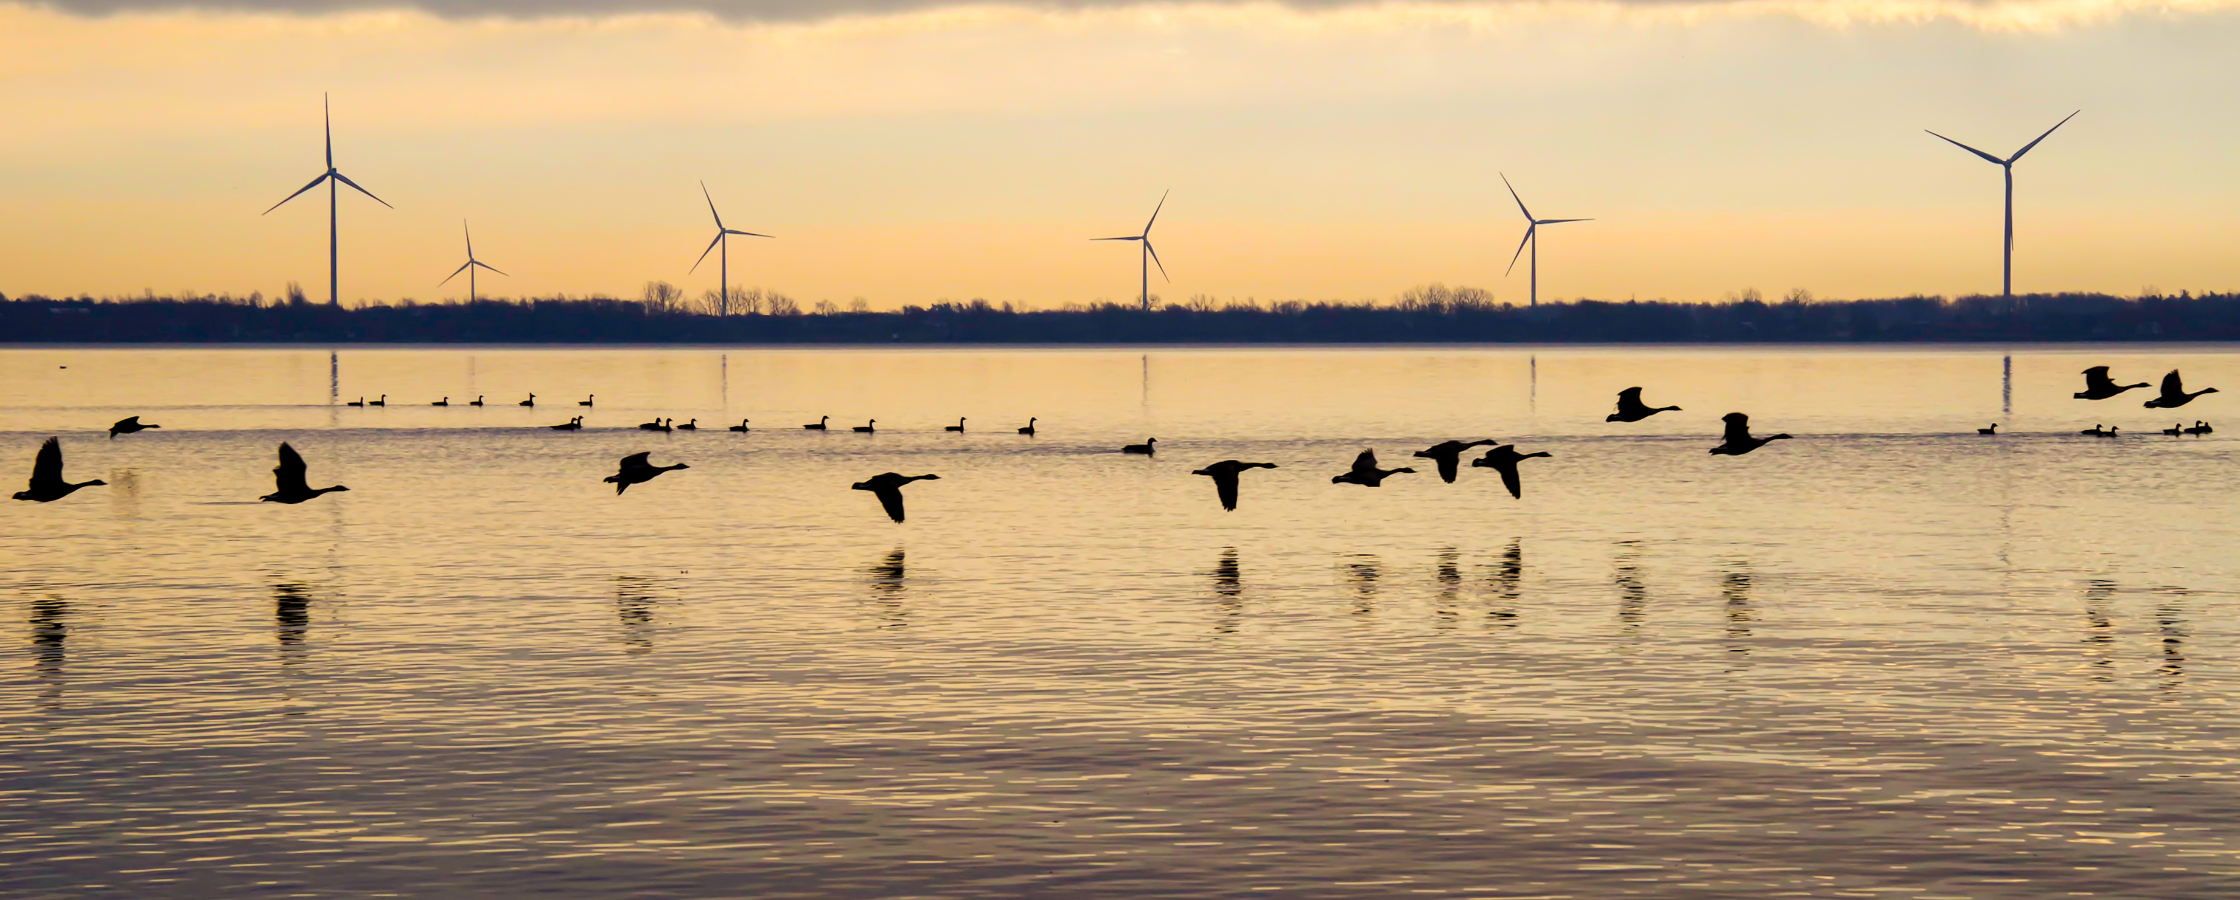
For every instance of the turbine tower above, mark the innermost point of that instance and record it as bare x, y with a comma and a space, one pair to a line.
471, 265
334, 280
1531, 232
723, 237
2006, 265
1149, 255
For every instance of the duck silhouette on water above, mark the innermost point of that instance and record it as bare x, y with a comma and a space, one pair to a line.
1738, 439
1224, 475
1027, 429
2174, 393
655, 425
47, 485
636, 470
1504, 459
1149, 447
693, 425
868, 427
1631, 409
1994, 429
2098, 386
532, 401
574, 424
288, 478
1448, 454
2199, 428
129, 425
959, 427
887, 486
1365, 472
819, 424
742, 426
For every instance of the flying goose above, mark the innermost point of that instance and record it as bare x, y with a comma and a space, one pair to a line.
1449, 456
1366, 473
46, 476
289, 486
2174, 393
2098, 386
1224, 475
1504, 459
1631, 409
635, 470
887, 486
1738, 440
129, 425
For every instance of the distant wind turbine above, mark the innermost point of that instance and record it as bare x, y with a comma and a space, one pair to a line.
334, 290
723, 237
2006, 267
1149, 255
1531, 232
471, 265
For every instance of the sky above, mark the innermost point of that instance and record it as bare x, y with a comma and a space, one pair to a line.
914, 151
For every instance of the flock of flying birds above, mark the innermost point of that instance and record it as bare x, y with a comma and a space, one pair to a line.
291, 485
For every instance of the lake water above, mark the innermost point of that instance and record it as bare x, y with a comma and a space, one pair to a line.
1889, 658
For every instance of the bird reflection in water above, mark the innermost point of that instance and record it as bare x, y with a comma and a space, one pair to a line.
2170, 624
1740, 613
1633, 595
291, 618
887, 588
1362, 573
1228, 584
50, 632
2100, 629
1448, 613
637, 602
1508, 586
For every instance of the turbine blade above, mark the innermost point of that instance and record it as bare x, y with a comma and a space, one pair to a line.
1513, 196
1132, 237
299, 192
1155, 258
488, 266
711, 205
345, 179
1559, 221
326, 109
704, 253
1520, 249
454, 274
1155, 213
745, 233
2049, 132
1973, 150
470, 238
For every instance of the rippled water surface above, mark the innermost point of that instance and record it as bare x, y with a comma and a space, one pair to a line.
1889, 658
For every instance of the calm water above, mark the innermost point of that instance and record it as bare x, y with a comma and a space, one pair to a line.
1888, 658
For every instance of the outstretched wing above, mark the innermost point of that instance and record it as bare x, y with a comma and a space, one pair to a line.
1631, 395
636, 461
127, 422
288, 475
1225, 484
1366, 462
1738, 428
46, 468
891, 498
1449, 465
2097, 375
1511, 480
2172, 385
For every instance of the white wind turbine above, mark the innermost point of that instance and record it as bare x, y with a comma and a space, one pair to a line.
331, 176
723, 236
471, 264
2006, 266
1531, 232
1149, 255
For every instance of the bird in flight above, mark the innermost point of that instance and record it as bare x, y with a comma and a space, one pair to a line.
636, 470
289, 483
887, 486
1224, 475
46, 476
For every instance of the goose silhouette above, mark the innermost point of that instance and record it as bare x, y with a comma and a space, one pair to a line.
957, 427
129, 425
867, 427
887, 486
1448, 454
47, 485
1738, 440
2098, 386
636, 470
1148, 447
443, 402
1994, 429
2111, 432
1631, 409
361, 401
742, 426
532, 401
1504, 459
1027, 429
2175, 430
655, 425
587, 398
575, 424
384, 401
693, 425
477, 401
820, 424
2174, 393
2199, 428
2095, 431
1224, 475
288, 479
1365, 472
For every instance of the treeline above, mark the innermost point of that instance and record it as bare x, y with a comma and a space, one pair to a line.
1431, 314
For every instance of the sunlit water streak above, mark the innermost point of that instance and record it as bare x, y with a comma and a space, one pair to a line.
1890, 656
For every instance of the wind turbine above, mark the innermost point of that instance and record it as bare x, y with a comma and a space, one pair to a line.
1148, 255
331, 176
1531, 231
2006, 266
723, 236
471, 265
